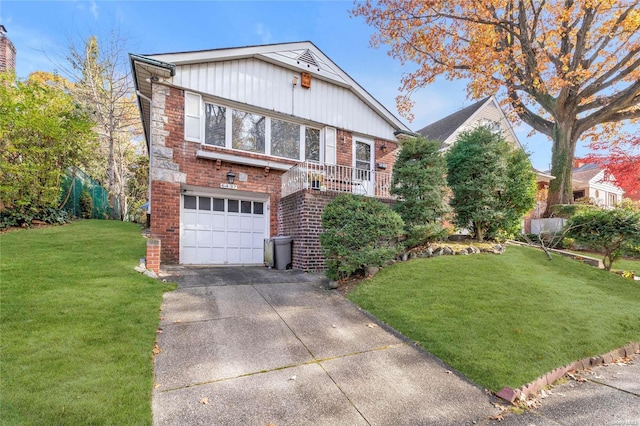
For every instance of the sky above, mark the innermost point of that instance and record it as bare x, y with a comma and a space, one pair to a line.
40, 31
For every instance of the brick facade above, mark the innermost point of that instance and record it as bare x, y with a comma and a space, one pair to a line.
7, 52
174, 164
302, 220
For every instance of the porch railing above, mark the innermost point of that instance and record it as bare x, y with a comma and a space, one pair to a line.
335, 178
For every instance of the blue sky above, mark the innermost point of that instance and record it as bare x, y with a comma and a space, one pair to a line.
170, 26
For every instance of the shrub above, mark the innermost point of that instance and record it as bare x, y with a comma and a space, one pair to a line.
424, 234
24, 216
568, 210
358, 232
608, 231
86, 204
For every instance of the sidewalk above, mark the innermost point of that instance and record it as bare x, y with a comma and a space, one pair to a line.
609, 396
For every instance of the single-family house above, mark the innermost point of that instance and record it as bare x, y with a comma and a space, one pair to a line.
591, 182
252, 142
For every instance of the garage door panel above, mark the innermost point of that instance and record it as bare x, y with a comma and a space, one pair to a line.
204, 220
189, 237
233, 222
204, 238
203, 255
222, 231
190, 218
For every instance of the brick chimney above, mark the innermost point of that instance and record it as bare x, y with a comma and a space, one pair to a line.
7, 52
578, 162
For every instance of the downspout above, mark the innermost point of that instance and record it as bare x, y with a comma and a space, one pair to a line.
146, 98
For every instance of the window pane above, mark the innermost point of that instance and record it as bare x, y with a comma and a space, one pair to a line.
312, 144
248, 131
218, 205
189, 202
245, 206
233, 206
258, 208
205, 203
214, 126
285, 139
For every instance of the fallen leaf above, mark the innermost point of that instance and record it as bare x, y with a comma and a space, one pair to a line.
334, 326
292, 377
498, 417
177, 321
156, 349
204, 400
157, 385
159, 331
371, 325
448, 371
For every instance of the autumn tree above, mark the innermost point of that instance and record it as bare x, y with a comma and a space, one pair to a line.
621, 161
569, 69
102, 81
43, 132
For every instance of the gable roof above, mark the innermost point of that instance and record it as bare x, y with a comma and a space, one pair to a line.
445, 127
585, 173
301, 56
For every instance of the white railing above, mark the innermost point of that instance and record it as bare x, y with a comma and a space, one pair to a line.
334, 178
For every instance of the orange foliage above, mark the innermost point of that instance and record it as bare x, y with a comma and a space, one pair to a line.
553, 59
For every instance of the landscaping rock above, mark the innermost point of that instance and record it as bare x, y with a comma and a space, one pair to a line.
498, 249
413, 255
371, 270
150, 274
447, 251
333, 285
463, 252
140, 269
437, 252
404, 257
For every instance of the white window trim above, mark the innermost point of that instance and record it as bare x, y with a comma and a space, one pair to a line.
229, 131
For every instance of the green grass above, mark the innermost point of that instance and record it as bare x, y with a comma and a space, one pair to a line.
505, 320
78, 325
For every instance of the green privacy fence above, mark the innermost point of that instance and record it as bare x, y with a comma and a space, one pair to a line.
85, 197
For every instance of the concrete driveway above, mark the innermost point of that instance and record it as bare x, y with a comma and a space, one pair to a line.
252, 346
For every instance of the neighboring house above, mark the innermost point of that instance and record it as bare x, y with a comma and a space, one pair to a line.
591, 182
252, 142
486, 112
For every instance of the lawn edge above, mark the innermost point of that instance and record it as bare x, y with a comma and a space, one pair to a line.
511, 395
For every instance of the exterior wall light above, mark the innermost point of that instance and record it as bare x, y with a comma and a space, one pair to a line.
231, 177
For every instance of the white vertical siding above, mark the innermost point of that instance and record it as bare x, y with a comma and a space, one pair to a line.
268, 86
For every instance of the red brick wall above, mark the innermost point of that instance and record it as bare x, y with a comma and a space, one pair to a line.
302, 220
7, 54
165, 219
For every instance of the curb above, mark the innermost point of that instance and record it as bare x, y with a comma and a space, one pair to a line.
510, 394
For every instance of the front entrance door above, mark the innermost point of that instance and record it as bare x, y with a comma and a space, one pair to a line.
363, 174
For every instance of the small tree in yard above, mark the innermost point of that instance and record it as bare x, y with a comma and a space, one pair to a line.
492, 183
419, 182
606, 230
358, 232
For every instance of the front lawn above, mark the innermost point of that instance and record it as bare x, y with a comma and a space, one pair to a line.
78, 325
504, 320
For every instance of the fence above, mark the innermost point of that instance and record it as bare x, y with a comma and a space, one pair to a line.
76, 183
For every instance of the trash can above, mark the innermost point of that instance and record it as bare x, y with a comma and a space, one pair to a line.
282, 252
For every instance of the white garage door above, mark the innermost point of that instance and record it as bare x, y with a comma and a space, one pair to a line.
222, 230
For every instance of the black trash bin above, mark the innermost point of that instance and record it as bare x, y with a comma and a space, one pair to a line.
282, 252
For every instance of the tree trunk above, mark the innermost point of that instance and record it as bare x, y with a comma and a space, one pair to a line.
564, 146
